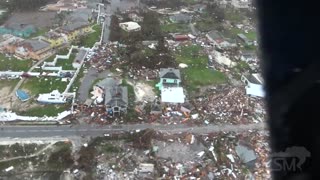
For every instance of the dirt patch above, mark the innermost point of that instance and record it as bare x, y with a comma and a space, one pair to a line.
144, 92
4, 97
38, 19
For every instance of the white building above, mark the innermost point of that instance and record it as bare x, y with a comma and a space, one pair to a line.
130, 26
254, 85
172, 95
55, 97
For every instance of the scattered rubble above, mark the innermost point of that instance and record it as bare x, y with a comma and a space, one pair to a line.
184, 156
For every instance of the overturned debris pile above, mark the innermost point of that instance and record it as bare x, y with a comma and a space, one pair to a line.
143, 74
230, 105
213, 156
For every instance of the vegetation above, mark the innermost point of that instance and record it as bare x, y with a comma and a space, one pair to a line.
197, 74
109, 148
207, 24
174, 4
8, 83
61, 157
190, 1
115, 30
66, 63
87, 158
24, 5
233, 32
215, 11
37, 86
90, 39
175, 27
14, 64
14, 150
44, 110
150, 30
39, 32
4, 16
131, 114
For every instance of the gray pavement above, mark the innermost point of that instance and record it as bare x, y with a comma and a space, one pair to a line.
94, 130
87, 81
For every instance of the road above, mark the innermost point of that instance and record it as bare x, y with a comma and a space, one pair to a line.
111, 9
94, 130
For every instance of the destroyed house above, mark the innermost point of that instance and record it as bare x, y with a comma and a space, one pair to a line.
180, 18
75, 29
253, 85
169, 77
116, 99
218, 40
248, 56
20, 30
33, 49
243, 38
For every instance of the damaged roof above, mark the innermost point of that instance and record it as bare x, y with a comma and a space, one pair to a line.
116, 96
246, 154
36, 45
74, 26
170, 73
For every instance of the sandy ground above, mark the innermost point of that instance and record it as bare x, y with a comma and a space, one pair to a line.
38, 19
16, 103
4, 97
144, 92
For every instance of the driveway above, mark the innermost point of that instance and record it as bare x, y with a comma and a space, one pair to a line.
86, 85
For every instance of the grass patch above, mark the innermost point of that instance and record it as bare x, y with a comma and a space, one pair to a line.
249, 48
21, 165
131, 113
66, 63
191, 2
234, 16
90, 39
9, 83
131, 94
77, 82
40, 32
61, 157
197, 74
175, 27
233, 32
206, 25
109, 148
242, 66
48, 110
36, 86
14, 150
14, 64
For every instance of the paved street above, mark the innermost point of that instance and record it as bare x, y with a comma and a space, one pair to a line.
94, 130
